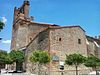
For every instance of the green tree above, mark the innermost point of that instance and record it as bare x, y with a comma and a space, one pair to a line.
5, 58
40, 57
93, 61
2, 56
1, 25
75, 59
17, 56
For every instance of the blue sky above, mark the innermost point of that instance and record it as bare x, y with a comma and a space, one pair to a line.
85, 13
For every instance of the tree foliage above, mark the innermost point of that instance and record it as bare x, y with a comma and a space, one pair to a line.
75, 59
2, 56
13, 56
92, 61
17, 56
40, 56
5, 58
1, 25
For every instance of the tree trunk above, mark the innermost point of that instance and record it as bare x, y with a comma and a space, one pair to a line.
96, 71
39, 69
76, 70
6, 66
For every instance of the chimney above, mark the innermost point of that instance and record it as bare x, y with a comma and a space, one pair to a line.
96, 37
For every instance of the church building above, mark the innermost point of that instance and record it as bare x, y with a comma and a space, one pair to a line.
28, 35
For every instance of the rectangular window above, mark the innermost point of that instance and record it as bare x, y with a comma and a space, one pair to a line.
79, 41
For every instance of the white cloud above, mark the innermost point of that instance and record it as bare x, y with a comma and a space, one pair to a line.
4, 20
6, 41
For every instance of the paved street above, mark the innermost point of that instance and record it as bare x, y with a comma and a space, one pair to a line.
16, 74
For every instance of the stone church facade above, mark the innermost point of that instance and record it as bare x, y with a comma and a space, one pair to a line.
28, 35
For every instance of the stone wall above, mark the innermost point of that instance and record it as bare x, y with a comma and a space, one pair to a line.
14, 35
40, 42
66, 41
60, 42
24, 32
34, 29
93, 46
22, 35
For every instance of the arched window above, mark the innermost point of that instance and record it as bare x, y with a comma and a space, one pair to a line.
59, 39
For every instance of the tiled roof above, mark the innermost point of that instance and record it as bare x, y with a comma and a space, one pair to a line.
53, 25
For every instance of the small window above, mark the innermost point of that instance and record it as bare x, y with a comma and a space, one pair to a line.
22, 11
59, 39
30, 39
79, 41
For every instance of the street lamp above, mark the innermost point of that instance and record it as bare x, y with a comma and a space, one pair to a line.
61, 67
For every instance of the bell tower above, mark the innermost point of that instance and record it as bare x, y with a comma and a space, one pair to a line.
20, 28
22, 11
